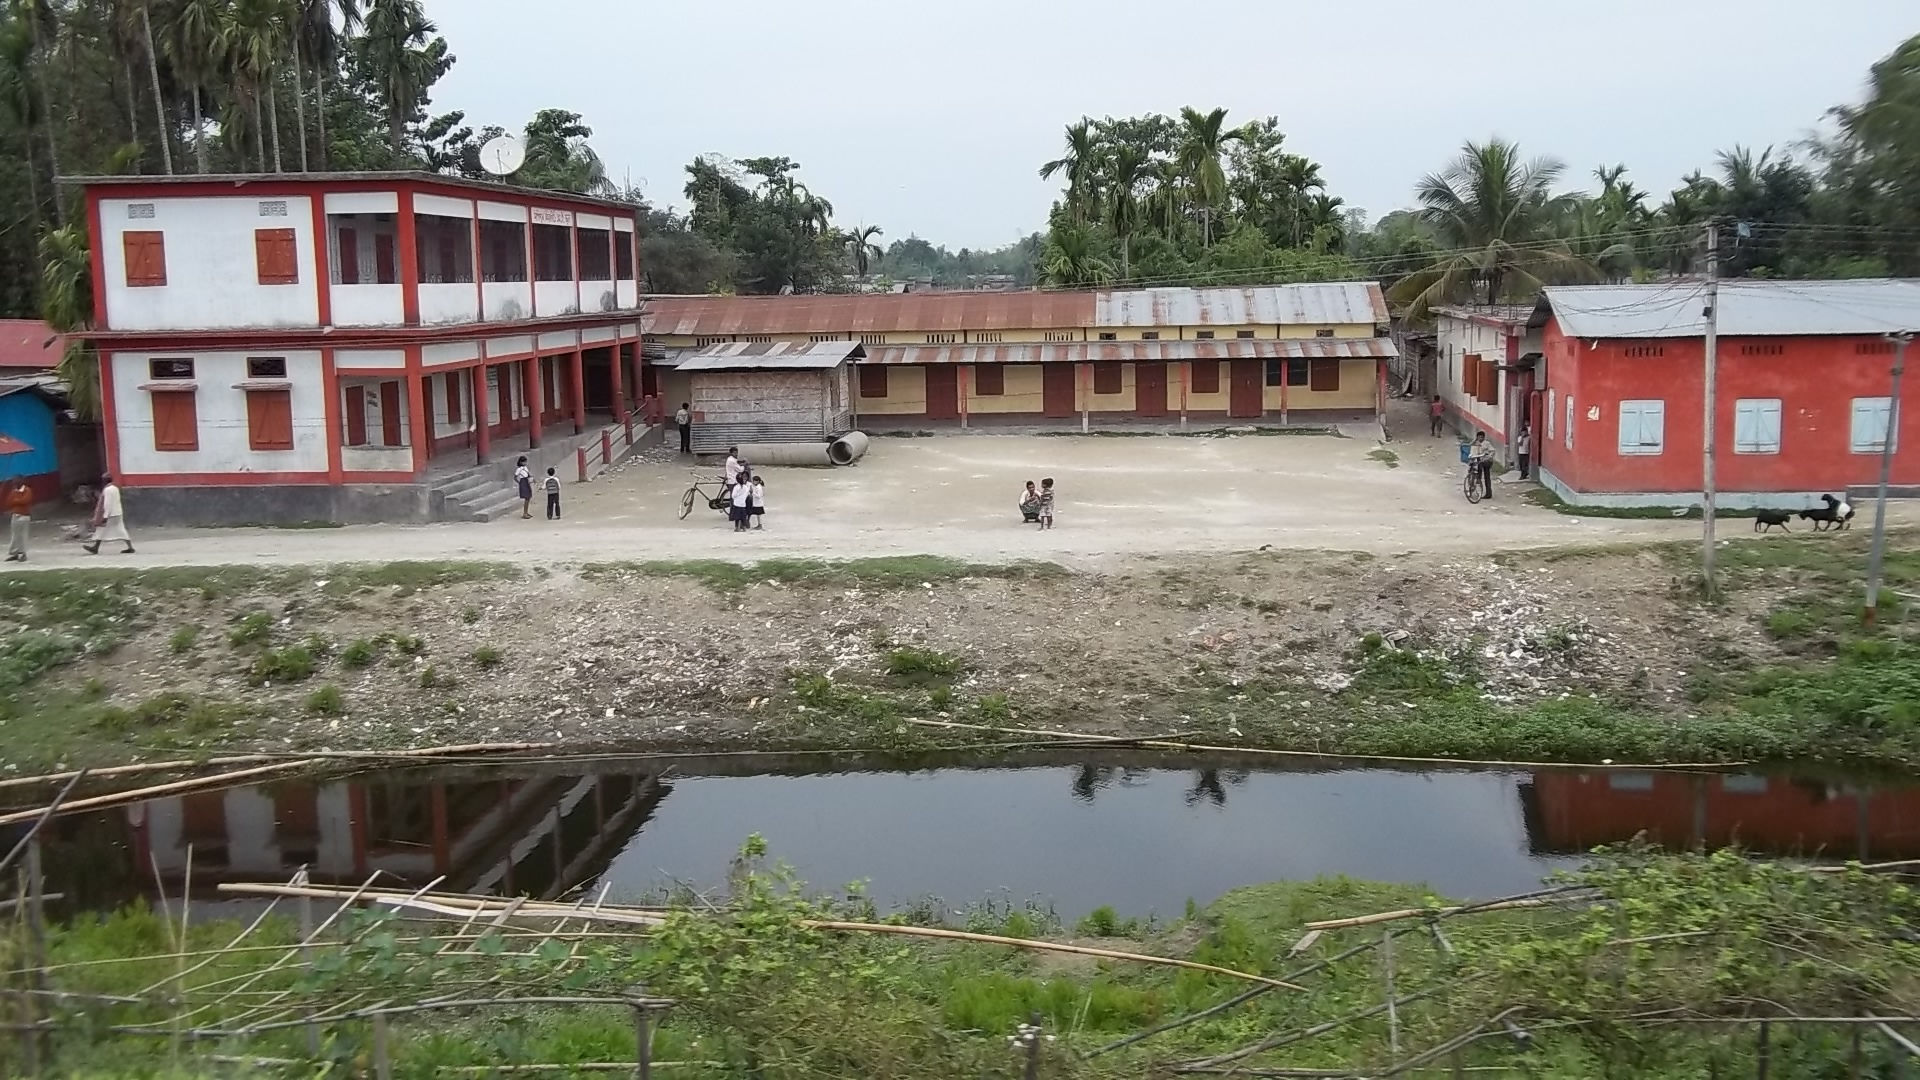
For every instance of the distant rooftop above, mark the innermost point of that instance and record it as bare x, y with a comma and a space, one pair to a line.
1749, 307
28, 343
357, 179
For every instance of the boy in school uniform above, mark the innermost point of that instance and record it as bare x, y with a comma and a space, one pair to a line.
1046, 503
552, 484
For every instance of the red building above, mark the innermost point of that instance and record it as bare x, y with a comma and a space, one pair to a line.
352, 346
1804, 391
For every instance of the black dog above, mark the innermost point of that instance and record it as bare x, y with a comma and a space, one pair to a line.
1765, 520
1836, 513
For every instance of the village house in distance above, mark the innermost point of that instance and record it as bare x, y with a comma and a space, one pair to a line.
352, 346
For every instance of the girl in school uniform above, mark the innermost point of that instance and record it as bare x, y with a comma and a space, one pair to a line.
742, 495
757, 500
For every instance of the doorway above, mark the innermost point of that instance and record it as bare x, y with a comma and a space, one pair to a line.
943, 392
1248, 378
1056, 390
1150, 389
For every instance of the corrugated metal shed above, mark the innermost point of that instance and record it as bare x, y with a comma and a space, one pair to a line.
1748, 308
773, 356
1136, 351
1327, 304
1339, 303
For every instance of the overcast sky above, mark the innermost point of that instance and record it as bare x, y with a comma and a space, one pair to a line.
932, 118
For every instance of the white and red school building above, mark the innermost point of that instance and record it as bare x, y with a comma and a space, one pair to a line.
301, 347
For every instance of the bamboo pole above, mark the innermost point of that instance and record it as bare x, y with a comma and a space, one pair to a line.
121, 798
1417, 913
1047, 946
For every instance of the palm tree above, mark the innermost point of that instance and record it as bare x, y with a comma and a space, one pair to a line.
317, 38
1300, 176
1168, 200
1070, 259
1203, 141
38, 12
1496, 212
66, 303
252, 35
864, 249
1081, 163
392, 32
191, 40
1125, 169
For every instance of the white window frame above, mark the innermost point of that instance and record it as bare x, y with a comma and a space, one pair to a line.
1640, 409
1756, 426
1569, 431
1552, 415
1884, 408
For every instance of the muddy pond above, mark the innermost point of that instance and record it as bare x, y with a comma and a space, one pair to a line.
1140, 833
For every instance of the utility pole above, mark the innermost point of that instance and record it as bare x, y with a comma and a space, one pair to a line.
1711, 399
1872, 612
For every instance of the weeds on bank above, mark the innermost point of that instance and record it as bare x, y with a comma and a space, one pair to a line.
885, 572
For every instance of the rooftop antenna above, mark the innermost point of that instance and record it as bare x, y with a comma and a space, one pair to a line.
502, 156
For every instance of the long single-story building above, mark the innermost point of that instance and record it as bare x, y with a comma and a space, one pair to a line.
1286, 354
1804, 391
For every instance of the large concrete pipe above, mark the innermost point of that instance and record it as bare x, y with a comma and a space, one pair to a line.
848, 448
815, 453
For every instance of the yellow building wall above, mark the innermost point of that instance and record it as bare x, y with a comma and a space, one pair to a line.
1091, 402
1024, 390
906, 392
1357, 382
1202, 402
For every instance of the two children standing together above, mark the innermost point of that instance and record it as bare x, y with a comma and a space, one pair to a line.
523, 480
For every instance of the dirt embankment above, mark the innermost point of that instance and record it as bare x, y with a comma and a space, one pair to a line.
708, 655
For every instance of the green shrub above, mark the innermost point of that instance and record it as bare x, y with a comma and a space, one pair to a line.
470, 615
486, 658
940, 696
290, 664
994, 707
251, 629
26, 657
431, 679
183, 639
1788, 623
359, 653
915, 663
326, 701
409, 644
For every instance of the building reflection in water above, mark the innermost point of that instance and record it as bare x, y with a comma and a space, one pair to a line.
1571, 812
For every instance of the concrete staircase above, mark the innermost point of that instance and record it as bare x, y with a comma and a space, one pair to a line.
486, 492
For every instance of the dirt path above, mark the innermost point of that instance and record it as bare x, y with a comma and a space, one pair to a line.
955, 496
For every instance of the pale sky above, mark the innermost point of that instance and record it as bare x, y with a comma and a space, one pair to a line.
932, 118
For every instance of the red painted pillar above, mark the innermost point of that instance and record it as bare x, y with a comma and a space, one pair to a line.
481, 436
419, 416
577, 389
530, 391
617, 360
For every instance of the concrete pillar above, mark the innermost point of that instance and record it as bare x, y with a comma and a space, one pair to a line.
482, 438
616, 360
530, 392
577, 390
420, 421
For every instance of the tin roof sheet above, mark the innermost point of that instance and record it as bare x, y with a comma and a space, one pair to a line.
1495, 314
1135, 351
1261, 305
773, 356
28, 343
1748, 308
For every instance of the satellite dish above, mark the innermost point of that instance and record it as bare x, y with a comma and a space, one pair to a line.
503, 155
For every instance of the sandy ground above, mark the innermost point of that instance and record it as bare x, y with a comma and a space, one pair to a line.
955, 496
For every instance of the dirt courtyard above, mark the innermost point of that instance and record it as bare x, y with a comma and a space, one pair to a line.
955, 495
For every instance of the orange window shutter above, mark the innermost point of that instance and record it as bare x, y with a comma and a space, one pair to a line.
349, 257
176, 423
1323, 375
146, 257
356, 416
270, 419
1206, 376
274, 253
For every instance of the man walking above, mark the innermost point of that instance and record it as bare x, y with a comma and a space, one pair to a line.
1523, 447
1436, 413
684, 418
109, 519
20, 510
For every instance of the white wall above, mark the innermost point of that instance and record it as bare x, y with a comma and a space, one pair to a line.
507, 301
222, 414
627, 294
555, 298
456, 302
213, 279
1459, 338
369, 305
369, 358
598, 296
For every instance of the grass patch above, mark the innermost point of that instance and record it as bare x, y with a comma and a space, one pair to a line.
253, 628
1546, 498
914, 664
25, 657
407, 644
884, 572
1385, 457
486, 658
291, 664
167, 717
432, 679
359, 653
326, 701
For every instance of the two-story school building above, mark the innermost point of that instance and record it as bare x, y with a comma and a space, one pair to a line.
296, 347
1310, 353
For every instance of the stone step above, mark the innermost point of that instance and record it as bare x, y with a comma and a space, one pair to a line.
499, 506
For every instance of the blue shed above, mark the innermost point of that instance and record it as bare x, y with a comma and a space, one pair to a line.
29, 408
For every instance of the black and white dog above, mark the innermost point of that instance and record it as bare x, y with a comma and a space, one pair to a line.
1837, 513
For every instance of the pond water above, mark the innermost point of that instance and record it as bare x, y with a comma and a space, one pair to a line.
1137, 832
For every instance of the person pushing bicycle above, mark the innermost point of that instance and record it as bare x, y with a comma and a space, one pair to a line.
1480, 461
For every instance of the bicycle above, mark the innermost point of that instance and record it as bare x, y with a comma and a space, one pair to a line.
1472, 485
717, 501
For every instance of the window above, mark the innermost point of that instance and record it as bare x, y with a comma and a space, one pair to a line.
1870, 415
1061, 335
1642, 352
146, 254
1874, 348
987, 337
1763, 350
1107, 378
873, 381
386, 269
623, 257
1489, 381
942, 339
1621, 781
1297, 372
270, 419
276, 256
703, 342
1108, 335
1203, 335
176, 424
503, 251
266, 367
873, 339
1569, 421
1756, 426
1744, 785
1150, 335
596, 255
273, 208
1243, 334
1206, 376
989, 380
552, 253
169, 369
1325, 331
760, 338
1552, 416
1323, 375
815, 338
1643, 427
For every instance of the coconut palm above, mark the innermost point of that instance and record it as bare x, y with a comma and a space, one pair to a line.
1203, 142
1126, 167
1081, 163
1494, 214
391, 42
1071, 259
66, 303
864, 249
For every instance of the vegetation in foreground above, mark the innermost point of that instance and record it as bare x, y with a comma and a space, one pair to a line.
1594, 980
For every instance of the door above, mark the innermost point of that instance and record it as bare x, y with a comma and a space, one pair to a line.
943, 392
1150, 389
390, 414
1056, 390
356, 416
1248, 378
503, 378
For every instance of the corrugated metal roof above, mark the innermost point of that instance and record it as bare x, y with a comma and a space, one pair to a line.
1339, 303
773, 356
1496, 314
1748, 308
1262, 305
1135, 351
28, 343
